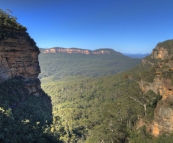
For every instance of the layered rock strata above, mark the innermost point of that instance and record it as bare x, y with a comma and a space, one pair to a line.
76, 51
163, 114
19, 58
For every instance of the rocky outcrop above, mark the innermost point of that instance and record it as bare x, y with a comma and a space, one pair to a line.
161, 59
19, 58
76, 51
163, 114
159, 53
156, 86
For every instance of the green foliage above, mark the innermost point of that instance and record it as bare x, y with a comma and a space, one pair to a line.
101, 109
165, 67
9, 21
60, 65
142, 136
168, 44
167, 74
10, 28
23, 117
98, 109
166, 138
148, 75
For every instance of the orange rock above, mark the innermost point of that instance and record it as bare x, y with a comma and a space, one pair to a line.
155, 129
76, 50
19, 57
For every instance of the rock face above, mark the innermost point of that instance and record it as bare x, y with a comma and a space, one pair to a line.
159, 52
163, 114
76, 50
161, 59
19, 58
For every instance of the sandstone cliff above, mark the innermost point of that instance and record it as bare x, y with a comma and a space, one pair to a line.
161, 59
76, 50
19, 57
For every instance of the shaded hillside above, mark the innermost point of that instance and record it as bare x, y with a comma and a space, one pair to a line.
132, 106
60, 65
24, 117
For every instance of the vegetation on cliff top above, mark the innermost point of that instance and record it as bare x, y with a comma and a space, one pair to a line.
168, 44
9, 21
10, 28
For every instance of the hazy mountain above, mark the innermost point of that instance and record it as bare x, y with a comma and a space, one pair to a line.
138, 55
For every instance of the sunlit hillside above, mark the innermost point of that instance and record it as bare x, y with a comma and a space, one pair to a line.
110, 108
102, 108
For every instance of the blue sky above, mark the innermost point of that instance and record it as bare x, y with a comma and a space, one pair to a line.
127, 26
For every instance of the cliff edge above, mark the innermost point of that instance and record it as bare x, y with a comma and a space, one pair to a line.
18, 54
161, 60
77, 51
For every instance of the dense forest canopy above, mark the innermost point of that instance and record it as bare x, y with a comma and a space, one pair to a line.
100, 109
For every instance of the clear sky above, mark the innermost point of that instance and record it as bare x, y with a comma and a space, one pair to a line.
127, 26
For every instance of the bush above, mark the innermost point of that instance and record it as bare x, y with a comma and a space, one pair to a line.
9, 21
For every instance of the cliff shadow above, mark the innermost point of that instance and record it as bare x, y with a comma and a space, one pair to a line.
24, 118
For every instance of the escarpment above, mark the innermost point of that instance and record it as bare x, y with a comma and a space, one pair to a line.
19, 58
161, 60
77, 51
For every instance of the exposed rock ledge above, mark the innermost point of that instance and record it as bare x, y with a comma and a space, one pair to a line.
76, 50
163, 114
19, 58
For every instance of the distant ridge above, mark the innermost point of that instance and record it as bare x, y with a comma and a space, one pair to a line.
78, 50
61, 62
